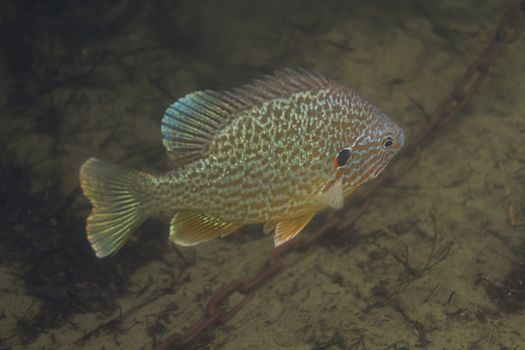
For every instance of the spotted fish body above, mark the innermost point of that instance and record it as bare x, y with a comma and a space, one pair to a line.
275, 151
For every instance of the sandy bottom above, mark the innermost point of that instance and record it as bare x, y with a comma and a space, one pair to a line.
412, 273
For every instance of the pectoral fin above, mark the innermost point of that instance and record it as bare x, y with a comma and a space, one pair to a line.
333, 195
288, 229
192, 227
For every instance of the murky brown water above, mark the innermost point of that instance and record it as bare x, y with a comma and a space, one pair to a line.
435, 262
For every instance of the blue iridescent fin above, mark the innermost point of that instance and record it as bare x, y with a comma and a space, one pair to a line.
191, 123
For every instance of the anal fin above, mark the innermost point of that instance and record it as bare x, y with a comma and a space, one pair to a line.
192, 227
269, 226
288, 229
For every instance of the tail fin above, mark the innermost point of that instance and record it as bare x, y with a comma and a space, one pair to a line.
120, 203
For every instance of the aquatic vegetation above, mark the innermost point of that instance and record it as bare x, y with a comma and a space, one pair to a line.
508, 294
59, 269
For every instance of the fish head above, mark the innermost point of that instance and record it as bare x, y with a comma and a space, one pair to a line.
370, 152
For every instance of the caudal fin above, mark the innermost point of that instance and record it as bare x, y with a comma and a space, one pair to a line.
120, 203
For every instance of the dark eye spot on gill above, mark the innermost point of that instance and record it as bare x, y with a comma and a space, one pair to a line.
342, 156
388, 142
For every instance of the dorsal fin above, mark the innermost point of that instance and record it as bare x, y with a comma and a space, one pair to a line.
191, 123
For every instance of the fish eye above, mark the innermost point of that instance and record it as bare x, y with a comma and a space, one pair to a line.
388, 142
342, 157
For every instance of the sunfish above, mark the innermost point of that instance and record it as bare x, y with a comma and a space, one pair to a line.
275, 151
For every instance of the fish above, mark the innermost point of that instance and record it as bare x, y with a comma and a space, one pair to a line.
274, 151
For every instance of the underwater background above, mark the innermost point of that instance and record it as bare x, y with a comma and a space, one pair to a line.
436, 262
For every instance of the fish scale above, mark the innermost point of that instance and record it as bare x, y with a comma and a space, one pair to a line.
263, 153
220, 174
